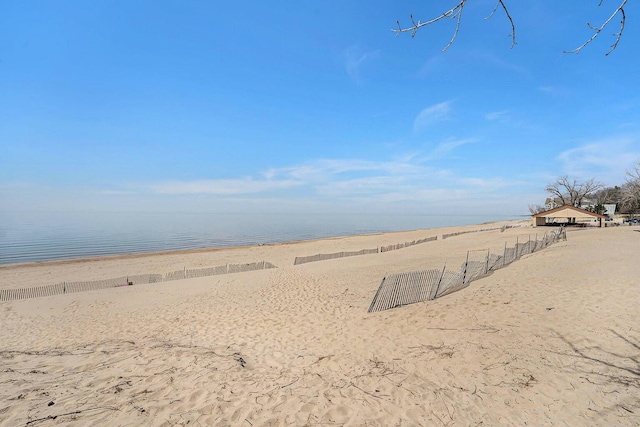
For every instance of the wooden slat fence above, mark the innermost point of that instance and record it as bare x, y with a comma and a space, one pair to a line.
73, 287
406, 244
452, 281
502, 229
322, 257
406, 288
446, 236
401, 289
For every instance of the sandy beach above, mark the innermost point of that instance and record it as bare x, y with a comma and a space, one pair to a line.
551, 340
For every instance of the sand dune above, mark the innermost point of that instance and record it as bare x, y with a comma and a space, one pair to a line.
551, 340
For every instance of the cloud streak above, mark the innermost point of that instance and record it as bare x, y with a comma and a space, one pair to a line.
355, 59
412, 179
222, 186
500, 116
605, 160
445, 148
431, 115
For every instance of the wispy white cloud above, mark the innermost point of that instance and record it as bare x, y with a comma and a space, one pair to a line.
361, 187
446, 147
510, 118
355, 59
499, 116
411, 180
325, 169
433, 65
497, 62
554, 91
438, 64
222, 186
115, 192
605, 160
431, 115
488, 184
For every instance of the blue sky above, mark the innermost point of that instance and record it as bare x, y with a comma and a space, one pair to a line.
310, 106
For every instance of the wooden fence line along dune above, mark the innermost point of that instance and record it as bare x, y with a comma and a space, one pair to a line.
401, 289
502, 229
323, 257
406, 244
72, 287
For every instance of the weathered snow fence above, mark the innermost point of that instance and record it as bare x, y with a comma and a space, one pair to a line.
72, 287
401, 289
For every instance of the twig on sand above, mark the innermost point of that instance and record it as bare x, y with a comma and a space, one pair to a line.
364, 391
292, 382
489, 329
434, 414
53, 417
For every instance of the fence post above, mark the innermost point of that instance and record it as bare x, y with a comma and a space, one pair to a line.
466, 263
504, 255
486, 266
435, 295
517, 240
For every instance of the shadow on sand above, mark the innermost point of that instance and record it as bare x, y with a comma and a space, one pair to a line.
614, 373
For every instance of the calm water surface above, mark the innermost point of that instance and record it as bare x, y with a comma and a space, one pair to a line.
27, 237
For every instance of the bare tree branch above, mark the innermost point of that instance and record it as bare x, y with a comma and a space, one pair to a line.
598, 30
506, 12
455, 33
451, 13
456, 13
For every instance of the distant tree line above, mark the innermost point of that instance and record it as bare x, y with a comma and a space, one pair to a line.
594, 195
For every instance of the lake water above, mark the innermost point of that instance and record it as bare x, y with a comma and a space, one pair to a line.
28, 237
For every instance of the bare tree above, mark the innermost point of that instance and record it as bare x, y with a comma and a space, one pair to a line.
607, 195
571, 191
631, 189
456, 13
534, 209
